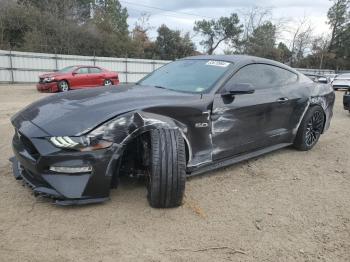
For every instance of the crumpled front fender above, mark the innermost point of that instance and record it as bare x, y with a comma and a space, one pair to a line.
128, 126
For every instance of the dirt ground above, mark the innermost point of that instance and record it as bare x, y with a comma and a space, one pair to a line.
284, 206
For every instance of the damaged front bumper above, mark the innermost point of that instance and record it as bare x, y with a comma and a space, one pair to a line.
47, 170
42, 188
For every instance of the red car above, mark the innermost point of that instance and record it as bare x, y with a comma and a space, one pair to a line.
76, 77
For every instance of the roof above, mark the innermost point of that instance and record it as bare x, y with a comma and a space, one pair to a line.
241, 59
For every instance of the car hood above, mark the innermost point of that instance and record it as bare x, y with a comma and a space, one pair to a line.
52, 74
75, 113
341, 79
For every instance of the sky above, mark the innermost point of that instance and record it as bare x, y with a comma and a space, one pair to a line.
181, 14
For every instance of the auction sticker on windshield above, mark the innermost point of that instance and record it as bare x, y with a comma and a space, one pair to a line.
218, 63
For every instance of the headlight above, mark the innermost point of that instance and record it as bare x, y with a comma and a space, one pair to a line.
113, 131
49, 79
83, 143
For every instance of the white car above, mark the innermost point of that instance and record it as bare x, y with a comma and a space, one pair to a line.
341, 81
327, 78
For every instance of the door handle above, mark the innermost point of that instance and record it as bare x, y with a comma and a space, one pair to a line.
282, 100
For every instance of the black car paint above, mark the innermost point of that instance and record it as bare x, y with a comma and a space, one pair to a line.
346, 100
214, 128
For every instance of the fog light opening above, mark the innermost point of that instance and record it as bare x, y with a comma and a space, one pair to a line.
71, 170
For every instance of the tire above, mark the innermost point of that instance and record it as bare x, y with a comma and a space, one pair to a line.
63, 86
167, 179
310, 129
107, 82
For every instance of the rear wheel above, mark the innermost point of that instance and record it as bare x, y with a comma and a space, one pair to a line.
63, 86
167, 176
310, 129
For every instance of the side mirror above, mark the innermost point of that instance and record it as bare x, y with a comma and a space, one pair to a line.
74, 73
238, 89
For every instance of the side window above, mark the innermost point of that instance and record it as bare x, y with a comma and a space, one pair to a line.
94, 70
262, 76
83, 70
287, 77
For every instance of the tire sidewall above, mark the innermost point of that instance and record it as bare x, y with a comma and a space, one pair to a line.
60, 86
106, 81
300, 140
167, 162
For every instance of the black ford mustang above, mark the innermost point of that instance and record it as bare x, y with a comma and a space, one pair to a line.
188, 117
346, 100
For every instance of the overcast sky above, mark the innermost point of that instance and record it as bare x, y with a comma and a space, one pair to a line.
288, 10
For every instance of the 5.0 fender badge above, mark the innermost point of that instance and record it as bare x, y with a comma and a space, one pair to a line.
200, 125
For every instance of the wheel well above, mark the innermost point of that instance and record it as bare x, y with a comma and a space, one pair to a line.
324, 114
135, 158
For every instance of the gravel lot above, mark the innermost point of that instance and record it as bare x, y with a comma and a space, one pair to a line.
285, 206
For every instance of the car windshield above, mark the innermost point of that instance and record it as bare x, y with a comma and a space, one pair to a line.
194, 76
67, 69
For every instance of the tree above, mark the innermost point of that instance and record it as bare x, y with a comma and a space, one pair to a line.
320, 46
339, 21
110, 17
301, 41
225, 29
171, 45
332, 51
338, 16
254, 18
284, 54
78, 10
13, 24
144, 47
262, 41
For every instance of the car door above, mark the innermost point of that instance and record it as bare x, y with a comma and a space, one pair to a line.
246, 122
80, 78
96, 76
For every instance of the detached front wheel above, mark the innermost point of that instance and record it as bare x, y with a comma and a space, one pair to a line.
310, 129
167, 176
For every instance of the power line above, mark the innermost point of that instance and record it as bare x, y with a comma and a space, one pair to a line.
165, 10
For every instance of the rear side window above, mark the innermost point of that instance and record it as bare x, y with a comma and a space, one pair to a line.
83, 70
262, 76
95, 70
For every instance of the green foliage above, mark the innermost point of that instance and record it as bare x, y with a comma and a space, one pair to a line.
339, 21
110, 17
225, 29
88, 27
13, 24
83, 27
262, 41
171, 45
284, 54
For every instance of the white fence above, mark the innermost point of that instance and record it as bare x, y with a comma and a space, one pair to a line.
25, 67
315, 71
